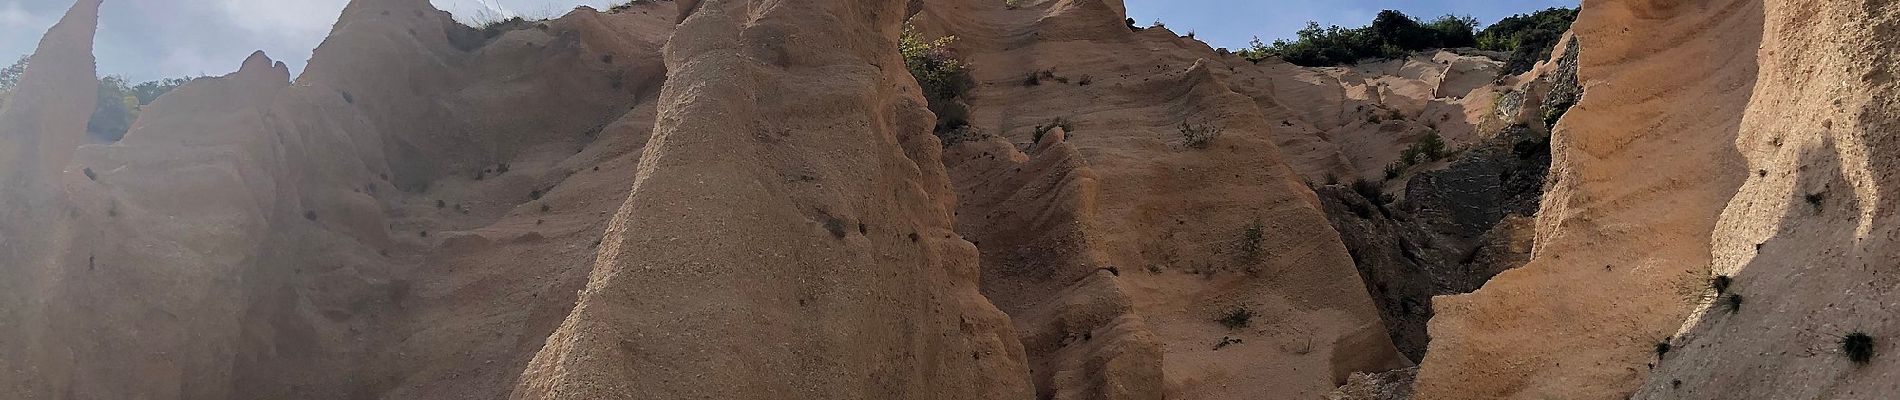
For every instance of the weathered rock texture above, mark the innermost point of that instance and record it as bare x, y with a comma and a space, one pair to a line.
1457, 223
743, 199
1808, 235
1118, 246
374, 229
789, 230
1642, 167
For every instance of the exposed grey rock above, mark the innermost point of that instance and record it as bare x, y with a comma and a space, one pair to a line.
1453, 229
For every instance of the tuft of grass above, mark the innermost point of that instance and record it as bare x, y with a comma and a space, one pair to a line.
1237, 318
1859, 347
1198, 136
1662, 348
1732, 302
1816, 199
1068, 128
1251, 240
1427, 149
1720, 283
1372, 191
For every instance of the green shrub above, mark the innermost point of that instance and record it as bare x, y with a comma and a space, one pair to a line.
1431, 148
10, 76
1556, 111
1528, 37
943, 77
1252, 240
1858, 346
1391, 35
1237, 318
1068, 128
149, 91
119, 103
1732, 302
1198, 136
1372, 191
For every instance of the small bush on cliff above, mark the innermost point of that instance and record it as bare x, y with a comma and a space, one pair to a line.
1662, 348
943, 78
1237, 318
1720, 283
1198, 136
1068, 128
10, 76
1428, 149
1251, 243
1732, 302
1529, 38
1372, 191
1858, 346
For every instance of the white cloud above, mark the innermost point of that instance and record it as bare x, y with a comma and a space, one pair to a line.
298, 18
476, 12
14, 16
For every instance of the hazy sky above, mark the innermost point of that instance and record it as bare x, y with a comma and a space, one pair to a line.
148, 39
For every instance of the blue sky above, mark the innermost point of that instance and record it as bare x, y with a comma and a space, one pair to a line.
149, 39
1231, 23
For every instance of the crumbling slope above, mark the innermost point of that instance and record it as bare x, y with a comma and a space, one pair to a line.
1641, 168
1117, 241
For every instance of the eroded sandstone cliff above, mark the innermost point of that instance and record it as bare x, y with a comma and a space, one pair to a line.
744, 199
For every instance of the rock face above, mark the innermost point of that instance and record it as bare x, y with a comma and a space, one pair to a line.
789, 232
48, 110
1117, 244
1456, 224
1453, 230
1807, 237
252, 238
744, 199
1642, 167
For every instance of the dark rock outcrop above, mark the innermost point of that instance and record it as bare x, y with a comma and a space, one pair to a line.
1453, 229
